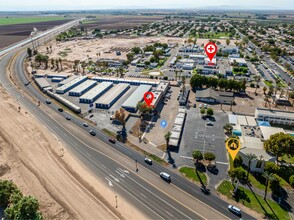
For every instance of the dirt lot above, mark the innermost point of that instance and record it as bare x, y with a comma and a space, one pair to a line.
108, 22
10, 34
30, 155
81, 49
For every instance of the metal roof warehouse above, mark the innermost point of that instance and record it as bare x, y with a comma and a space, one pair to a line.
82, 88
96, 92
131, 103
68, 86
108, 99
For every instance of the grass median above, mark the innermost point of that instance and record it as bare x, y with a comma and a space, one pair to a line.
254, 201
190, 173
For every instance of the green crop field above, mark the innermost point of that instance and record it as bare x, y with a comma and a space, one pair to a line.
26, 20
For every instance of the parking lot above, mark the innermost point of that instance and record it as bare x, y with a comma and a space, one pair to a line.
197, 135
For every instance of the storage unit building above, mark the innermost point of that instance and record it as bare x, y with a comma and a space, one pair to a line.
108, 99
131, 103
68, 86
64, 76
82, 88
65, 102
96, 92
42, 83
67, 80
56, 79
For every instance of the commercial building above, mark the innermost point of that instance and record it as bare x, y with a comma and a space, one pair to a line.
65, 102
129, 81
240, 61
68, 86
274, 116
64, 76
42, 83
211, 96
229, 49
137, 96
186, 64
96, 92
177, 128
82, 88
56, 79
67, 80
108, 99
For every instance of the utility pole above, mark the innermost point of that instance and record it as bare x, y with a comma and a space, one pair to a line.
136, 165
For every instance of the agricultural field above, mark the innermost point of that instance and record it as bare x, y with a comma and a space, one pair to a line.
110, 22
10, 34
26, 20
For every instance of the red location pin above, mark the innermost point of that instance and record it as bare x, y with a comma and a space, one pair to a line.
210, 50
148, 97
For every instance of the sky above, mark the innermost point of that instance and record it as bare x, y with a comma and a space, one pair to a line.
33, 5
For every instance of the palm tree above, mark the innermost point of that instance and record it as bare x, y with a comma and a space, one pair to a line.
167, 137
250, 157
264, 90
60, 61
269, 177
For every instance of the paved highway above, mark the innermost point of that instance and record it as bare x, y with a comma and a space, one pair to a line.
179, 200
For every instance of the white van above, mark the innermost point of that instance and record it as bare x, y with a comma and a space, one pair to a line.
165, 176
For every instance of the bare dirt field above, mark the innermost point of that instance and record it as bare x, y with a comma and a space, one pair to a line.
84, 49
108, 22
10, 34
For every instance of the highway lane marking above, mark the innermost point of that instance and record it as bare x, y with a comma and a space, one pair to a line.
179, 211
121, 174
125, 171
169, 213
109, 181
140, 201
143, 195
115, 179
190, 158
225, 163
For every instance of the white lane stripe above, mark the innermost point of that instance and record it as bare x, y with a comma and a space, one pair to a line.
222, 162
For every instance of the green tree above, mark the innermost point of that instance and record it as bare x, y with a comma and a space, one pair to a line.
143, 107
238, 173
280, 144
26, 208
136, 50
228, 128
238, 161
209, 156
7, 189
197, 155
274, 184
228, 41
268, 177
209, 111
271, 167
250, 157
291, 180
29, 52
202, 111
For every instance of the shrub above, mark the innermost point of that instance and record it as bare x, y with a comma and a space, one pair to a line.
291, 180
238, 161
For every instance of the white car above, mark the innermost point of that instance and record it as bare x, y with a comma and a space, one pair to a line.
205, 105
200, 105
234, 209
165, 176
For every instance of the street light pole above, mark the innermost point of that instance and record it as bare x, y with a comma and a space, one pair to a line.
136, 165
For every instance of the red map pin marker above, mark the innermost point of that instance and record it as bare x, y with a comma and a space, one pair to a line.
148, 97
210, 50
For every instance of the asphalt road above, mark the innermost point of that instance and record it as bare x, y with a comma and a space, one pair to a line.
152, 199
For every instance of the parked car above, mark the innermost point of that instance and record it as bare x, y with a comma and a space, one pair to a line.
92, 132
194, 105
111, 140
235, 210
148, 160
48, 101
209, 123
165, 176
67, 117
205, 106
200, 105
60, 109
